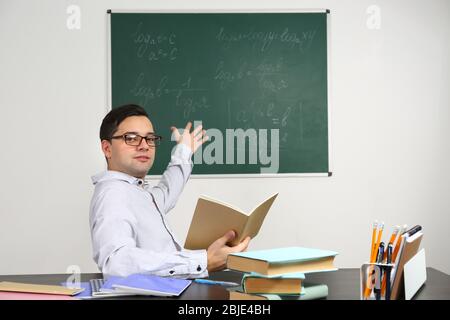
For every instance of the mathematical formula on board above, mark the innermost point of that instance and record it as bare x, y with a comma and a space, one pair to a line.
191, 98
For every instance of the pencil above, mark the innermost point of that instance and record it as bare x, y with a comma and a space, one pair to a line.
374, 232
374, 253
373, 256
391, 242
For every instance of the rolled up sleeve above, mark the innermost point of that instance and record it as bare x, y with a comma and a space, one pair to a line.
182, 264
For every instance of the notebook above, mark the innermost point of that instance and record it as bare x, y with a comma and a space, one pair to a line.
145, 284
283, 260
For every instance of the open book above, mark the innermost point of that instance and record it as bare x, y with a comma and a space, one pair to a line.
212, 219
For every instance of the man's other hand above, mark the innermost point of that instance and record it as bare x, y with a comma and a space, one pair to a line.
218, 251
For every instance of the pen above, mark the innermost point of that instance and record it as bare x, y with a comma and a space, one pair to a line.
380, 253
380, 260
214, 282
388, 273
388, 256
413, 230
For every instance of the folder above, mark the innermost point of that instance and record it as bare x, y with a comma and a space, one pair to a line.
410, 247
8, 295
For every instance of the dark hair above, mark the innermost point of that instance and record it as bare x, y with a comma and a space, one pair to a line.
113, 119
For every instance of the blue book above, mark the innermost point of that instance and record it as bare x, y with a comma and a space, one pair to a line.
283, 260
146, 284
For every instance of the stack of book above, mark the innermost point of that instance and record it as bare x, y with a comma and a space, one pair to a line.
279, 274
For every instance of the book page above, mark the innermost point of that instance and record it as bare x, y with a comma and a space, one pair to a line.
257, 217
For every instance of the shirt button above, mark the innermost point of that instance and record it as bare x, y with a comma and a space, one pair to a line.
199, 268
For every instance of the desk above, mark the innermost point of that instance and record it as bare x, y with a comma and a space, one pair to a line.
342, 284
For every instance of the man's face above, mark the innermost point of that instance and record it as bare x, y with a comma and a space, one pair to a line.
132, 160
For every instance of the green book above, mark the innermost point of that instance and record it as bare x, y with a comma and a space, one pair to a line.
310, 291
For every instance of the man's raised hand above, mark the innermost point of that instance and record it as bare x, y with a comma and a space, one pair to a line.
192, 139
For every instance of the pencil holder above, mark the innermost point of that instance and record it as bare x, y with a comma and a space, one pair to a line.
411, 277
375, 281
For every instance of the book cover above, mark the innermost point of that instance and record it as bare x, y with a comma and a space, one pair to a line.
212, 219
7, 295
283, 260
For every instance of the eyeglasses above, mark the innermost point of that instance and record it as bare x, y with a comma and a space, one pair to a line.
132, 139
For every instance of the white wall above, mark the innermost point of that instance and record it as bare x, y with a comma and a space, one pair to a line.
390, 125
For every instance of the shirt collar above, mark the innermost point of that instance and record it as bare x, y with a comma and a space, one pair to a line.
110, 175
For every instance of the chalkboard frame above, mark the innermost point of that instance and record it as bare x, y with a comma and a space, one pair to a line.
239, 175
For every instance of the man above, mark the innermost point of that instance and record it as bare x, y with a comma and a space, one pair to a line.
129, 230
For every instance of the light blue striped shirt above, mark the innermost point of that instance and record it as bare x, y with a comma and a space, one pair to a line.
129, 230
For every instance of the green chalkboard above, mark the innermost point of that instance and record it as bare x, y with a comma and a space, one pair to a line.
256, 81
